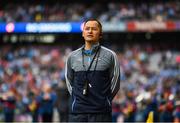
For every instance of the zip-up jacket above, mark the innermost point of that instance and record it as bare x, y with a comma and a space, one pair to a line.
103, 79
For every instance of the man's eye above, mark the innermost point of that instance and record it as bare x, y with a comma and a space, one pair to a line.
87, 28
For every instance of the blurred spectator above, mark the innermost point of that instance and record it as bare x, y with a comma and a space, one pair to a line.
129, 106
151, 104
116, 110
47, 103
9, 105
62, 102
33, 106
166, 106
177, 107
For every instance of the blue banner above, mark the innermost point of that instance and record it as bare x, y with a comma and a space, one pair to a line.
74, 27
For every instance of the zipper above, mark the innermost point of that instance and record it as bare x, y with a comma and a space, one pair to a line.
89, 60
73, 104
108, 101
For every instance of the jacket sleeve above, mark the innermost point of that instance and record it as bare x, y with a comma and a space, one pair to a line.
115, 75
69, 73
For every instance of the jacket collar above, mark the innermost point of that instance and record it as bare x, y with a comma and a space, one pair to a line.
92, 50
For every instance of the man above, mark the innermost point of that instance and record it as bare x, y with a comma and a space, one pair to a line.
92, 76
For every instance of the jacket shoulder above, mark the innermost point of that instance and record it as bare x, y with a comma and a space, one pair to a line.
74, 53
108, 51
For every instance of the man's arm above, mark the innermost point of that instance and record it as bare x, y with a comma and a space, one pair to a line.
69, 74
115, 75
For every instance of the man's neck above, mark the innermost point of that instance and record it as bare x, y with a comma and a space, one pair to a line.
88, 45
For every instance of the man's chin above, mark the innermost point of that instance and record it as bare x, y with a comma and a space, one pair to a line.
93, 41
89, 40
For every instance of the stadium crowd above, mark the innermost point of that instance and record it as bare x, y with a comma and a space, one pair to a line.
32, 83
108, 12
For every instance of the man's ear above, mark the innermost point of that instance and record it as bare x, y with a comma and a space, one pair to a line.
82, 34
100, 35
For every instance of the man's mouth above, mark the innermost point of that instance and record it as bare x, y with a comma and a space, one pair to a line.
89, 35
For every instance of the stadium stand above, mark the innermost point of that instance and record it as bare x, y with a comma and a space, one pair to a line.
150, 61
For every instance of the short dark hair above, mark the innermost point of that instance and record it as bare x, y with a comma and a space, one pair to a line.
93, 19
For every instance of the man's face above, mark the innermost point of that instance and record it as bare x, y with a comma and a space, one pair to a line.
91, 32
